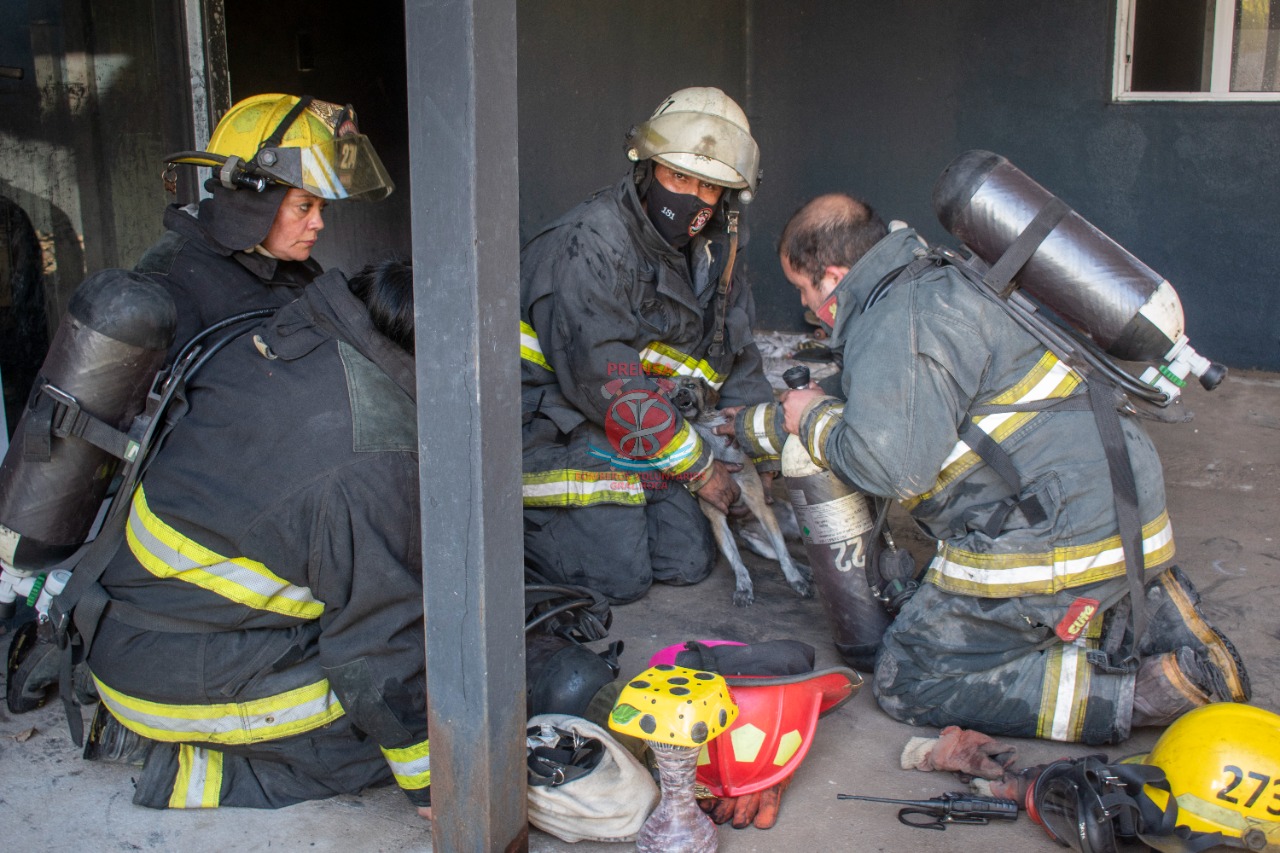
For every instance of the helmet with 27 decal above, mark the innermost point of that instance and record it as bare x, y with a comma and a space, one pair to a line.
293, 142
1222, 762
702, 132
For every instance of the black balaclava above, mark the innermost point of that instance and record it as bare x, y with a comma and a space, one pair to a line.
679, 217
240, 219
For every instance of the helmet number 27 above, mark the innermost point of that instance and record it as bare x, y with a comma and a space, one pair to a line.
1238, 776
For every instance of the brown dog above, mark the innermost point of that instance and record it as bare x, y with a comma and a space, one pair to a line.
696, 401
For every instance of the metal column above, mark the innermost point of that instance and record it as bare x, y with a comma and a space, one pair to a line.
465, 205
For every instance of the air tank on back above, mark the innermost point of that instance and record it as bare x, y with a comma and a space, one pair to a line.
109, 346
1084, 276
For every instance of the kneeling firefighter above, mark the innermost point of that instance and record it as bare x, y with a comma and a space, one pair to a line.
1002, 435
239, 653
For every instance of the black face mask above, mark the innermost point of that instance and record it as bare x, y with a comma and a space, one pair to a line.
679, 217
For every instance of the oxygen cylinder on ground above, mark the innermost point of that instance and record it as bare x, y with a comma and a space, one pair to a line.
837, 526
112, 341
1083, 275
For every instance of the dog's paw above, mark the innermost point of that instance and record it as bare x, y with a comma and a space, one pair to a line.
744, 597
803, 587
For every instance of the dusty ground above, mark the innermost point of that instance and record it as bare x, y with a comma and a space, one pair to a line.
1223, 475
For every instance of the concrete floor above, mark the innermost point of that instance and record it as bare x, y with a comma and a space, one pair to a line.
1223, 478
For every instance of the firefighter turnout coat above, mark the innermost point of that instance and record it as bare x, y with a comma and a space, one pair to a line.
976, 647
280, 522
208, 281
607, 305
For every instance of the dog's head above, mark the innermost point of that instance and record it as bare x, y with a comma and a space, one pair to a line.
692, 396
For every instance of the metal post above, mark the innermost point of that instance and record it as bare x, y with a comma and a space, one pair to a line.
465, 206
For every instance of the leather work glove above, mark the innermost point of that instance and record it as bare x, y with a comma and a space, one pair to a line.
759, 809
717, 487
959, 750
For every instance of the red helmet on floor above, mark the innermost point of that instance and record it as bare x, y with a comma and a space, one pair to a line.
777, 718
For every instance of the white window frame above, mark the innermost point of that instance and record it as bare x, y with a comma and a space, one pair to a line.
1220, 71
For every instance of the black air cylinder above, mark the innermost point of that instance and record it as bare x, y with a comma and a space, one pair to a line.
111, 343
1083, 275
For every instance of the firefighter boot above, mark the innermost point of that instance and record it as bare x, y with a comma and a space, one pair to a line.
110, 742
1170, 684
1174, 620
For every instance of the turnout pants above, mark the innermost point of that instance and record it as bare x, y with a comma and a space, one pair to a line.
997, 665
313, 766
619, 551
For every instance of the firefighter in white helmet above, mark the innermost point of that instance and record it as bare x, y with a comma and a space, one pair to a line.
643, 280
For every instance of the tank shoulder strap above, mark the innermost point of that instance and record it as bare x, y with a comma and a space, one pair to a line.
77, 611
1104, 397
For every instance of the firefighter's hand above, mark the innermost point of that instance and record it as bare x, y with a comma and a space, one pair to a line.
726, 428
424, 812
717, 487
794, 403
759, 809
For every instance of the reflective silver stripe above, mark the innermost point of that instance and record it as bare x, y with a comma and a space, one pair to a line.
270, 718
530, 348
410, 765
570, 487
1010, 574
670, 361
1051, 386
761, 430
166, 553
199, 781
822, 427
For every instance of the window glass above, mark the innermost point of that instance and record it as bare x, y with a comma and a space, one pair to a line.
1255, 46
1198, 50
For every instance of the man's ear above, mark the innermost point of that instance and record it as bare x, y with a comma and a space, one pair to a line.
832, 275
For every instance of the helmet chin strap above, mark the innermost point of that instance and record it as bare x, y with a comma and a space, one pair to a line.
726, 281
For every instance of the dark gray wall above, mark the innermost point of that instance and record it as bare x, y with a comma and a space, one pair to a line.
876, 98
320, 48
590, 70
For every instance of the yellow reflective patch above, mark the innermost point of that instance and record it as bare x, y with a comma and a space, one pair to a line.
787, 746
747, 740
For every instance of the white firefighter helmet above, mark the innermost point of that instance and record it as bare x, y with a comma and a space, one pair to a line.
703, 132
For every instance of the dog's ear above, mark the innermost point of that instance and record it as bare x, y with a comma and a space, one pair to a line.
666, 386
712, 395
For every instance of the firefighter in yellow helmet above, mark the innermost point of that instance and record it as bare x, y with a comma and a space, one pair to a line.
277, 160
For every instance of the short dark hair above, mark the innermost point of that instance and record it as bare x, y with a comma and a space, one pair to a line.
386, 288
830, 230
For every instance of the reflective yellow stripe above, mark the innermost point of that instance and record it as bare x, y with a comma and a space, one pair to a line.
199, 781
1050, 379
166, 553
530, 349
681, 453
411, 765
660, 359
269, 718
824, 421
1005, 575
1065, 693
762, 418
569, 487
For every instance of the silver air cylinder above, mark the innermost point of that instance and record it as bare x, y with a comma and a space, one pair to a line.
111, 343
1083, 275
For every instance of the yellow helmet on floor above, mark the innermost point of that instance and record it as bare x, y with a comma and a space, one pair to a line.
294, 142
1222, 762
